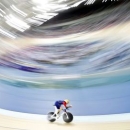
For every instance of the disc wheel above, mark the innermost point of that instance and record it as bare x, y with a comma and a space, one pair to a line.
49, 117
67, 117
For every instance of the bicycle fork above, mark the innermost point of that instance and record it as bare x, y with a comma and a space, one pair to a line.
67, 115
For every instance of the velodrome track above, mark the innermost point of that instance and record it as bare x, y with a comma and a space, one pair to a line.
18, 121
116, 98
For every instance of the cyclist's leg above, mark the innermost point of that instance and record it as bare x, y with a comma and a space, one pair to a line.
56, 107
56, 110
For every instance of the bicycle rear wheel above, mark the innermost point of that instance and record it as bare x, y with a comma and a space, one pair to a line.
49, 117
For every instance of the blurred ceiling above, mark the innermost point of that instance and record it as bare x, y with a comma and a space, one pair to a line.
16, 17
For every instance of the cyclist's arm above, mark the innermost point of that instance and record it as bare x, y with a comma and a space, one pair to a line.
64, 103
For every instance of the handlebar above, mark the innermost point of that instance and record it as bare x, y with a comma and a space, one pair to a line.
67, 108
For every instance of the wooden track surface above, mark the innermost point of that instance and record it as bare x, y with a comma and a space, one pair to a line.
13, 123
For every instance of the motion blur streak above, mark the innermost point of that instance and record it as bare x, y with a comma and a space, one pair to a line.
51, 50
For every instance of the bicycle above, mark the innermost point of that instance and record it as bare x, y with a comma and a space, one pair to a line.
67, 116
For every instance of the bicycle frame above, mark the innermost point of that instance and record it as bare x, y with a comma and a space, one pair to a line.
61, 114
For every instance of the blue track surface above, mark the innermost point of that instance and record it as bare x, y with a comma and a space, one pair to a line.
110, 99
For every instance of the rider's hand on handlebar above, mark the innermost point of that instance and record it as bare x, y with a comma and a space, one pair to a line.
68, 107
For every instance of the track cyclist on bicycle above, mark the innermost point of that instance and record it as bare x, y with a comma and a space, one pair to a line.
61, 105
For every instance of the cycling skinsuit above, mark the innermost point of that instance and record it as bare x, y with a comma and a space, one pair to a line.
59, 103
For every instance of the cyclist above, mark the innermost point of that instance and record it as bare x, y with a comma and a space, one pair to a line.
61, 105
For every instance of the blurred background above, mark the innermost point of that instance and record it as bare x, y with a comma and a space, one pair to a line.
75, 49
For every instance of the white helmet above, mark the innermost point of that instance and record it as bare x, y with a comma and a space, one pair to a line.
67, 101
